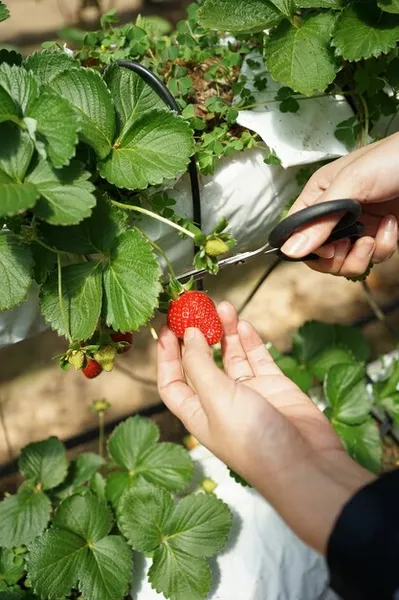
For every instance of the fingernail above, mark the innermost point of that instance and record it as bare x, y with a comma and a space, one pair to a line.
296, 245
365, 248
189, 334
390, 226
327, 251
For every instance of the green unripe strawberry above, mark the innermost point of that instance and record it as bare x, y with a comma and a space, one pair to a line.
105, 356
76, 358
216, 247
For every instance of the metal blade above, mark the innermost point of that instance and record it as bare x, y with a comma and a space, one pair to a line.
238, 259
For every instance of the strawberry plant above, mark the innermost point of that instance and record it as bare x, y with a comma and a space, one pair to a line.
71, 528
84, 153
330, 363
323, 46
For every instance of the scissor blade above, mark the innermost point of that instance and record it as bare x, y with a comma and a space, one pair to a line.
239, 259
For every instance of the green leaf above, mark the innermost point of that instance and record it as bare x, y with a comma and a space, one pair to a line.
333, 4
88, 94
348, 132
54, 563
16, 264
238, 16
116, 484
391, 385
81, 469
11, 567
23, 517
178, 575
142, 516
181, 536
391, 406
296, 372
20, 85
44, 262
286, 7
132, 96
97, 234
108, 570
82, 298
86, 516
314, 338
131, 283
301, 57
4, 12
346, 392
129, 441
390, 6
77, 552
363, 30
199, 525
47, 64
57, 122
363, 443
8, 108
158, 146
238, 479
66, 195
133, 446
321, 364
44, 463
16, 150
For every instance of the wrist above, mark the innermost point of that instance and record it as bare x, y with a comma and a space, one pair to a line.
311, 495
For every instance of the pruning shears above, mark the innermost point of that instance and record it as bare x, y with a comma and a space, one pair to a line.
348, 227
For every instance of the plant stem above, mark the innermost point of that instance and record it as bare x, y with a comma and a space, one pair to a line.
61, 301
101, 432
39, 241
149, 213
162, 253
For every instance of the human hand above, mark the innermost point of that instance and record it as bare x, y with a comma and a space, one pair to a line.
266, 428
369, 175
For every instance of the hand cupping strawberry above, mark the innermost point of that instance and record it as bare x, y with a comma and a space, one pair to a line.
195, 309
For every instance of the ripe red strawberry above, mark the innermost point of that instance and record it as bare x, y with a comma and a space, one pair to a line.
123, 337
195, 309
93, 369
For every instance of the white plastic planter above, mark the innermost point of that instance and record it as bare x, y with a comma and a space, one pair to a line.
263, 559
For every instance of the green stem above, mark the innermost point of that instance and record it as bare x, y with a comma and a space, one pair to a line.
101, 432
61, 301
161, 252
39, 241
149, 213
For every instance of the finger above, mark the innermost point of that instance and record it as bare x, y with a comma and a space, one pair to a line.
333, 265
173, 389
358, 259
259, 358
210, 383
235, 360
386, 239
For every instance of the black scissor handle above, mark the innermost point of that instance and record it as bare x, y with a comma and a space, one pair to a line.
348, 226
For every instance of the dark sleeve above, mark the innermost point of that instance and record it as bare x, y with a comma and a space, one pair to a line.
363, 549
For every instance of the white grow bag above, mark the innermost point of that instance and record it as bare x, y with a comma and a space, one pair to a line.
263, 559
